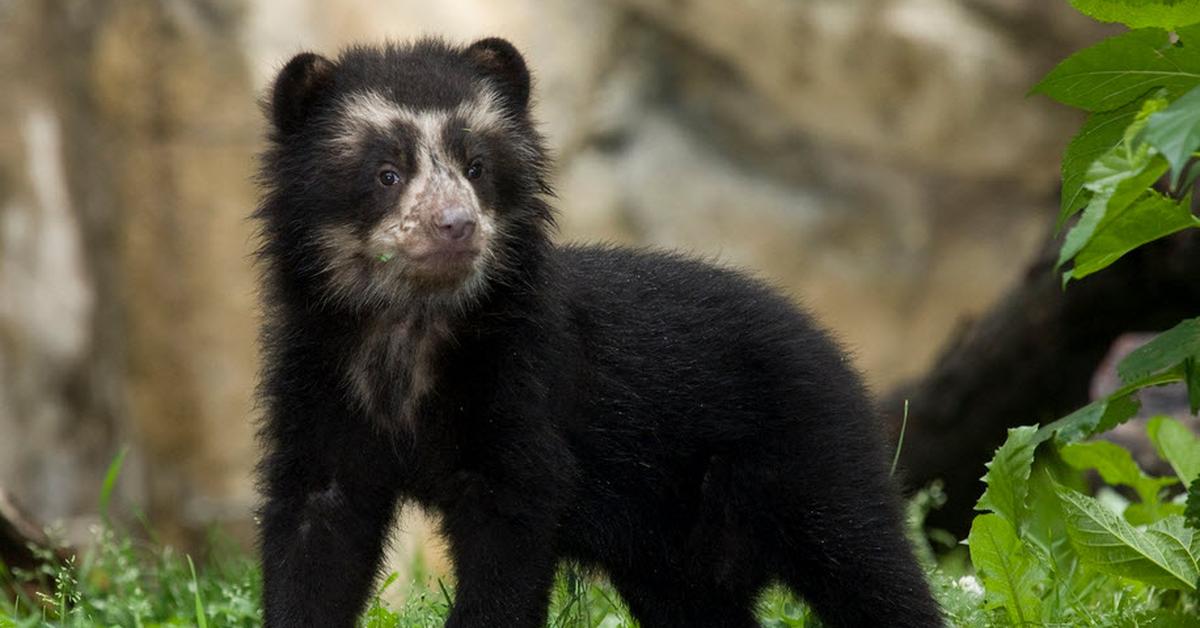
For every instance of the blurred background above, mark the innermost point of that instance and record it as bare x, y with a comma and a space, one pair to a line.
875, 158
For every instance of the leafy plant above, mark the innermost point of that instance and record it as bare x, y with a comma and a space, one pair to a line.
1045, 551
1142, 89
1147, 553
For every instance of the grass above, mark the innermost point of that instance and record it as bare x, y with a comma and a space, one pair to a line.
121, 581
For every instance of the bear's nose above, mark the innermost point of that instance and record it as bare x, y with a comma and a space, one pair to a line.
455, 223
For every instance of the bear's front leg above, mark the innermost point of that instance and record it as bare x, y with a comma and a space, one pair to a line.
327, 512
501, 541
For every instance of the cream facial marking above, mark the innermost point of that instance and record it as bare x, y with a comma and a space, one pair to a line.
403, 253
366, 112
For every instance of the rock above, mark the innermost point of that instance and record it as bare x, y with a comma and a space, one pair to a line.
935, 83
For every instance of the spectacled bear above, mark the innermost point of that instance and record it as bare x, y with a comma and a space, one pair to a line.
679, 427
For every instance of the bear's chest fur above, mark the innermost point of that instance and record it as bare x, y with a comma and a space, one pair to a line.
392, 368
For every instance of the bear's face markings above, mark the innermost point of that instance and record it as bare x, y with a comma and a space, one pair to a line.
403, 177
427, 222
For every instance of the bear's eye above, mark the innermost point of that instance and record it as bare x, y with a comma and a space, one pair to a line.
475, 170
389, 177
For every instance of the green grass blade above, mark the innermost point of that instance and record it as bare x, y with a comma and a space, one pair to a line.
201, 620
110, 482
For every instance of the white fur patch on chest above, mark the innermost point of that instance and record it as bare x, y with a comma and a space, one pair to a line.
393, 368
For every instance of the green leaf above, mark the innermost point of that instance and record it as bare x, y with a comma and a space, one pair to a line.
1122, 229
1140, 13
1007, 476
1120, 69
1116, 184
1140, 514
1095, 418
1165, 351
1119, 176
1099, 135
1177, 445
1175, 132
1124, 179
1189, 36
1103, 414
1009, 572
1163, 555
1046, 532
1116, 466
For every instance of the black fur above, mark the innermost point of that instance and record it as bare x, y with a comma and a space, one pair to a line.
305, 76
500, 60
680, 427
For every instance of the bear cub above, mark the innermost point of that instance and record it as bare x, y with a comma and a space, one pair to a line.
680, 428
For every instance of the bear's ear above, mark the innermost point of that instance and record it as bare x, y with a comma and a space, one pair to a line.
505, 68
296, 88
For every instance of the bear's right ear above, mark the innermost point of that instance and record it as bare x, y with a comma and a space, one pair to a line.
296, 88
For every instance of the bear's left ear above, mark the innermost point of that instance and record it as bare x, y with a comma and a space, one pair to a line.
505, 67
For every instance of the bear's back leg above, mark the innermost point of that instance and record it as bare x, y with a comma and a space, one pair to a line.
820, 517
661, 599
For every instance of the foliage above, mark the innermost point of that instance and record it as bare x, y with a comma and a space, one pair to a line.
122, 582
1142, 89
1144, 552
1163, 553
1010, 572
1139, 13
1045, 551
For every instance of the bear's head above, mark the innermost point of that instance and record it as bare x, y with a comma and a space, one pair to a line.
403, 175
